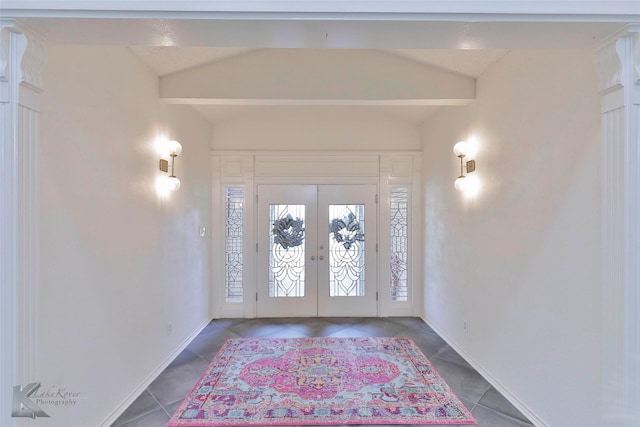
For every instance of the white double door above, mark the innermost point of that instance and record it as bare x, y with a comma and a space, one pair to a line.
316, 250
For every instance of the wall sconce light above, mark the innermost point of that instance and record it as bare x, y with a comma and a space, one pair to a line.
461, 149
171, 149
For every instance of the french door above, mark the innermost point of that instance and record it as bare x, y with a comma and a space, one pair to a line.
316, 250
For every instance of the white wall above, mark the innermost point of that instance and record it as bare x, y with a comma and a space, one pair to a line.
316, 128
521, 261
117, 261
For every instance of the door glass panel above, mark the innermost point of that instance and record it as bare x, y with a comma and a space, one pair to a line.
286, 255
399, 213
234, 213
346, 250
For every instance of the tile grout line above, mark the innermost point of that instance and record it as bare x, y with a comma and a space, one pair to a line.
496, 410
142, 414
510, 417
160, 404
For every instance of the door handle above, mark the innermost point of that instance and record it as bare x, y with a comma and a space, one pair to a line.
313, 257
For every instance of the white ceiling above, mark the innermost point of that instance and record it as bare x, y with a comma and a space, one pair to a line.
164, 60
467, 62
170, 59
170, 42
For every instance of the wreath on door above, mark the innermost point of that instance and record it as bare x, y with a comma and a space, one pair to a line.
288, 232
346, 230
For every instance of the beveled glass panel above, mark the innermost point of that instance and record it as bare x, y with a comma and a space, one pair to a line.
234, 214
346, 250
287, 249
399, 214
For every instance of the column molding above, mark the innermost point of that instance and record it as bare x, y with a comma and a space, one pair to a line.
619, 68
22, 59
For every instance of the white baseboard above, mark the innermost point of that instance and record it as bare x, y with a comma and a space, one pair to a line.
154, 374
535, 419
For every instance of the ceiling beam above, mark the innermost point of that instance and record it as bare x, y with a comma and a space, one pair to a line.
317, 77
486, 10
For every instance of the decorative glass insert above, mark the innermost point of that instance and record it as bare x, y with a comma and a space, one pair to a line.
399, 214
286, 255
346, 250
234, 213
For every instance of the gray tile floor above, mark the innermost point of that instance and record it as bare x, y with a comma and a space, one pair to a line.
160, 400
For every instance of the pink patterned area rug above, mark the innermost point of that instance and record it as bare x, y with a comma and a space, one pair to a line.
320, 381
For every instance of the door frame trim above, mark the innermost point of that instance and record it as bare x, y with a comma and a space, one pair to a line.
237, 168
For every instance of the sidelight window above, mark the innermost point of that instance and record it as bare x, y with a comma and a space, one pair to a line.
234, 220
399, 214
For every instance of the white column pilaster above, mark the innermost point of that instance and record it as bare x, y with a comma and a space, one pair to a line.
22, 58
619, 69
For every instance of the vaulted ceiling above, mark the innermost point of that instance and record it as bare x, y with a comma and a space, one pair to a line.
170, 59
460, 67
405, 65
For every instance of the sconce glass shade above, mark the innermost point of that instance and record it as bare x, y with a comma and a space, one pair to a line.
461, 183
461, 148
173, 183
167, 184
174, 147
